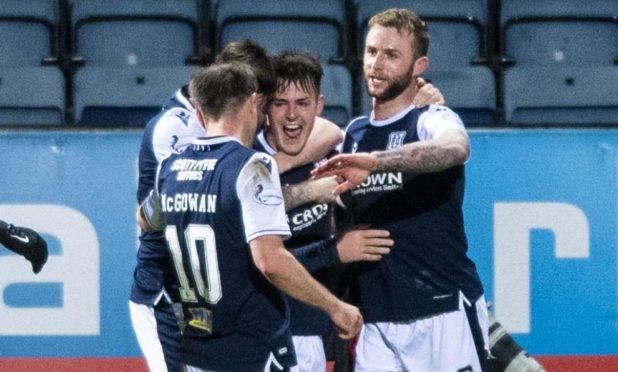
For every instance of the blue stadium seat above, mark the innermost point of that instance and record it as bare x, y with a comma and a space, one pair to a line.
28, 32
124, 96
567, 32
470, 92
315, 26
32, 96
457, 28
134, 33
337, 91
567, 96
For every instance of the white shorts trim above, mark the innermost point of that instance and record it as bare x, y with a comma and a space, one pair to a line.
145, 328
310, 353
440, 343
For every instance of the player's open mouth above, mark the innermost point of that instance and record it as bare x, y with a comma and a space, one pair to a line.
292, 130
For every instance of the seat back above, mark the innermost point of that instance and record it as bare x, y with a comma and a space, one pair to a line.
570, 32
32, 96
337, 90
134, 33
470, 92
126, 96
28, 32
565, 96
314, 26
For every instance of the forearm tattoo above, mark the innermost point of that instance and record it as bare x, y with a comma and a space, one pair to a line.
419, 158
295, 195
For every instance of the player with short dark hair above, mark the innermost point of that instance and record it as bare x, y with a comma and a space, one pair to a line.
291, 115
221, 208
25, 242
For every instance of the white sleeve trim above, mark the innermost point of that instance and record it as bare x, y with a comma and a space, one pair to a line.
259, 191
172, 135
437, 120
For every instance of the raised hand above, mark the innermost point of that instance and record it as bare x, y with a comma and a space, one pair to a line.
352, 168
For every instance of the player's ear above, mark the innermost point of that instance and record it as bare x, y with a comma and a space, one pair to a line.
420, 65
320, 105
201, 117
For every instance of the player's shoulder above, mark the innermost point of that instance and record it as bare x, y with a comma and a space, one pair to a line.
261, 163
358, 123
439, 112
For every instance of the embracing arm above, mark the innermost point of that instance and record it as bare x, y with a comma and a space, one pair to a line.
450, 148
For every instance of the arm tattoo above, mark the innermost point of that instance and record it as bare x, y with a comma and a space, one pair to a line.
419, 157
295, 195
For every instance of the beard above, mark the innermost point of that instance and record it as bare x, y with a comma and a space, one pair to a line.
395, 87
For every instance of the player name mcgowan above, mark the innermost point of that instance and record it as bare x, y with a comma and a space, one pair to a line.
192, 202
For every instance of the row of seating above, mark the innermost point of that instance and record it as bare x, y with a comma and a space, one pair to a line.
113, 62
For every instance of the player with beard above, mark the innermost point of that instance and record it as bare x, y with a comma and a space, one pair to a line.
423, 303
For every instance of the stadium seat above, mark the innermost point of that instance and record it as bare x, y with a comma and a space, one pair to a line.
457, 28
32, 96
569, 32
126, 96
337, 91
316, 26
567, 96
134, 33
28, 32
470, 92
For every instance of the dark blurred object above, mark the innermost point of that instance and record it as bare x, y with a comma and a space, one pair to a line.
508, 356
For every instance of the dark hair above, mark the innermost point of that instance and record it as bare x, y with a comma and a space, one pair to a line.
299, 68
222, 88
405, 20
256, 57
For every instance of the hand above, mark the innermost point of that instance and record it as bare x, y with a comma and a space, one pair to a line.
347, 320
363, 245
26, 242
352, 168
427, 94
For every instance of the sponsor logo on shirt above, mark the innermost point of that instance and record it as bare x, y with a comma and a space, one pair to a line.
307, 217
201, 318
379, 182
395, 139
265, 195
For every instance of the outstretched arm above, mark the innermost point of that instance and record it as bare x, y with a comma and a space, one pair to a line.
449, 149
287, 274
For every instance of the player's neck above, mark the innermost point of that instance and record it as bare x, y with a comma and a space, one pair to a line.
226, 126
270, 140
385, 109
